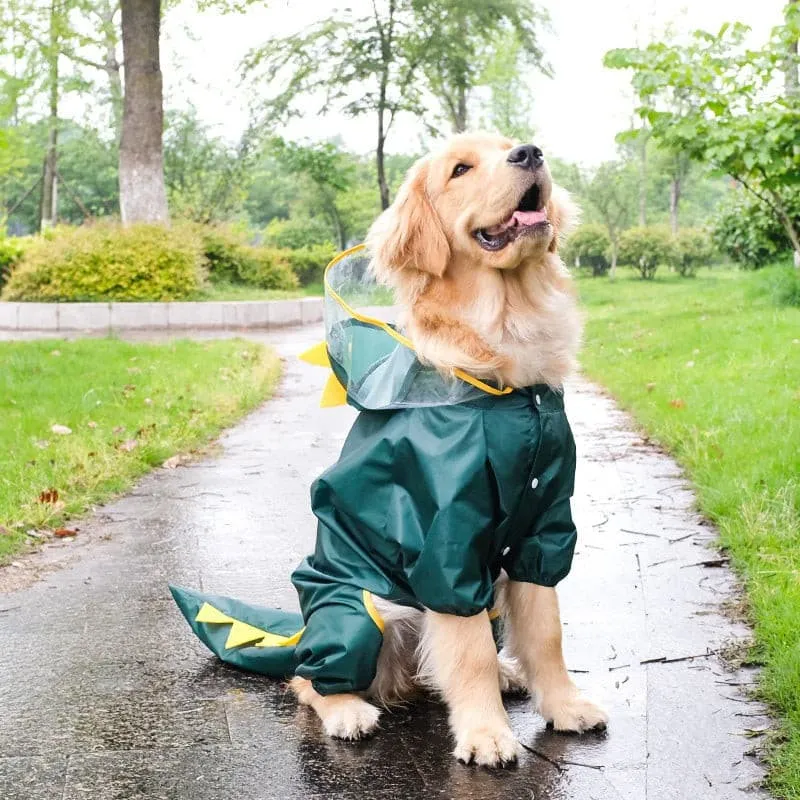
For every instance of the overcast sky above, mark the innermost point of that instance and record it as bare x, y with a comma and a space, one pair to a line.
576, 113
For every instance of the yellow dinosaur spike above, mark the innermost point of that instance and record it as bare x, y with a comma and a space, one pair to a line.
333, 394
274, 640
317, 355
208, 613
242, 633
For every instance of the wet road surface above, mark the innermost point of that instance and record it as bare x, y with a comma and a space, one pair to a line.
106, 694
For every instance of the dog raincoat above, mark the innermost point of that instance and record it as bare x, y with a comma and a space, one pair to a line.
441, 484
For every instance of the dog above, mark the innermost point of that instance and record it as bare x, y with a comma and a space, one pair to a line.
470, 248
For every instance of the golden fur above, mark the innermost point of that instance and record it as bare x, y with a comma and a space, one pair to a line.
508, 316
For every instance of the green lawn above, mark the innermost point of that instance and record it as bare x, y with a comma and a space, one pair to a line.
711, 369
237, 291
124, 408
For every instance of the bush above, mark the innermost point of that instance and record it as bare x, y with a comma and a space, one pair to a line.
297, 232
11, 251
782, 282
747, 231
108, 262
268, 268
691, 248
308, 263
646, 248
589, 246
226, 253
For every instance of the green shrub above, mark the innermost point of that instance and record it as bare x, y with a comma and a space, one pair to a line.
782, 283
589, 246
646, 248
692, 248
297, 232
268, 268
308, 263
226, 252
108, 262
11, 251
747, 231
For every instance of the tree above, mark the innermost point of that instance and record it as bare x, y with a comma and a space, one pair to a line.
357, 64
142, 192
463, 37
730, 118
612, 192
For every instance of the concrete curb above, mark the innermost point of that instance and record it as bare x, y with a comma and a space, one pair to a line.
111, 317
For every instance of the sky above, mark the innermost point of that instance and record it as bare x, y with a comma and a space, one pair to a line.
577, 113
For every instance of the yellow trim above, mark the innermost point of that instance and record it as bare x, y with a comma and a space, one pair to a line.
241, 633
494, 613
386, 328
369, 604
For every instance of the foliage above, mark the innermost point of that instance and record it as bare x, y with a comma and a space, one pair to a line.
782, 284
207, 180
308, 263
746, 229
736, 433
225, 252
268, 268
469, 45
129, 406
107, 262
646, 248
11, 251
589, 246
725, 110
692, 248
297, 232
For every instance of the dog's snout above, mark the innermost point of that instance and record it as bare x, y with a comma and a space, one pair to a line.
527, 156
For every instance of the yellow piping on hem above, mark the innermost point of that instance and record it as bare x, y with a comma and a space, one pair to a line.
373, 612
386, 328
494, 613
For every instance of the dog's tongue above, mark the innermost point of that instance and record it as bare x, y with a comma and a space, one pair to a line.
518, 218
529, 217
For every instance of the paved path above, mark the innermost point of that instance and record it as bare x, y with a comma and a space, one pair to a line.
104, 693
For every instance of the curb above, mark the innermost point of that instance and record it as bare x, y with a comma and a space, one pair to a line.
112, 317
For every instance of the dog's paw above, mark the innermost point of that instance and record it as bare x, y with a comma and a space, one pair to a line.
349, 718
512, 677
571, 711
487, 746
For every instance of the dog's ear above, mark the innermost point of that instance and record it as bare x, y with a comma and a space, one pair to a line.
409, 233
563, 214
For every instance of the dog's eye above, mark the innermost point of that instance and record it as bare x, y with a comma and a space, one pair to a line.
460, 169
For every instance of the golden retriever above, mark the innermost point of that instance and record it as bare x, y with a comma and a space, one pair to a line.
470, 246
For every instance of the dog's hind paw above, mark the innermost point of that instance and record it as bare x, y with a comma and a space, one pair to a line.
489, 747
350, 718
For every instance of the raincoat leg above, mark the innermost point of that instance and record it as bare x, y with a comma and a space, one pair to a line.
338, 651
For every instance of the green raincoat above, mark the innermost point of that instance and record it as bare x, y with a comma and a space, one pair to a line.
440, 485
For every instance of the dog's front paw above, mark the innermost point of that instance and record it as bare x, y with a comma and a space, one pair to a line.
487, 746
569, 710
349, 718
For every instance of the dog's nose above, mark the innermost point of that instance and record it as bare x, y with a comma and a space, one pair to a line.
527, 156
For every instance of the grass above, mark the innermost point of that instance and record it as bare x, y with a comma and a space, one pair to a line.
129, 407
235, 291
710, 368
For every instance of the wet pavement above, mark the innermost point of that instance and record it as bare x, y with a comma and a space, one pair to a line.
105, 693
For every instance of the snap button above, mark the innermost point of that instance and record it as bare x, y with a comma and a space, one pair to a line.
534, 483
538, 400
506, 551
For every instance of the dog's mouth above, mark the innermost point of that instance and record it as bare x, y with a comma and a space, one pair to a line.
528, 218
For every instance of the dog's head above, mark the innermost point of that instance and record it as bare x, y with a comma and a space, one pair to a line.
481, 200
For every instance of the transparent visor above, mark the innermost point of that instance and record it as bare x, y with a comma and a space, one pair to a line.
372, 359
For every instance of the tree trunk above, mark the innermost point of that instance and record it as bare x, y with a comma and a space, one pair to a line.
791, 77
674, 202
49, 207
142, 193
612, 271
643, 181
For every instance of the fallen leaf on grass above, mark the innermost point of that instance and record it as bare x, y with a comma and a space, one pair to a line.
61, 430
650, 387
119, 429
176, 461
55, 352
49, 496
128, 445
43, 444
92, 424
677, 403
62, 532
4, 531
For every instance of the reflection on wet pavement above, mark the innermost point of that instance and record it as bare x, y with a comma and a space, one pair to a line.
105, 693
